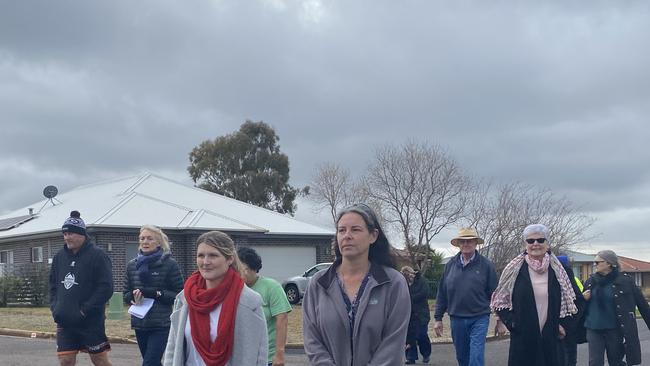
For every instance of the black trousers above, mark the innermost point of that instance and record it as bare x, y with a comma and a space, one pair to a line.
569, 351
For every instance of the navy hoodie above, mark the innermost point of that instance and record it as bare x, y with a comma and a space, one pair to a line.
81, 282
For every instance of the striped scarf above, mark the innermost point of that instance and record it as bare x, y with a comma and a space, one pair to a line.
502, 296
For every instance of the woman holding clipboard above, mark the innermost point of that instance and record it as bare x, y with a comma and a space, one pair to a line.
156, 276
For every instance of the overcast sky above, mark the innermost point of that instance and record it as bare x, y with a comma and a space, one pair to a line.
553, 93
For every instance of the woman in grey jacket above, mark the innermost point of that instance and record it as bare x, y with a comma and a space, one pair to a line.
357, 311
216, 319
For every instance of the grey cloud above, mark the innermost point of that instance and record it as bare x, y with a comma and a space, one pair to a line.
552, 94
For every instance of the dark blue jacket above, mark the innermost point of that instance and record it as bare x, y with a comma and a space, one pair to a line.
81, 282
466, 291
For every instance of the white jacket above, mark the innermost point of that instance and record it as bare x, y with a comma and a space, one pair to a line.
250, 345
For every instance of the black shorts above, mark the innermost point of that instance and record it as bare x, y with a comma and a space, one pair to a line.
90, 338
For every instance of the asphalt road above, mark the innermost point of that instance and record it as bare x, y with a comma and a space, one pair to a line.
15, 351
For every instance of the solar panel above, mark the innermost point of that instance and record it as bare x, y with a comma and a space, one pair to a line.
12, 222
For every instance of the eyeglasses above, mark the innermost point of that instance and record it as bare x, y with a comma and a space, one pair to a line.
540, 240
597, 262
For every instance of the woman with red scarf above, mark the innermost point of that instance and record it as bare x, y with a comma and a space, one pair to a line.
216, 320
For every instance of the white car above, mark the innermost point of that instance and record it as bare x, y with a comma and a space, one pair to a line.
295, 286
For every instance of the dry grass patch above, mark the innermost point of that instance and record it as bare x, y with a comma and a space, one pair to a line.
40, 320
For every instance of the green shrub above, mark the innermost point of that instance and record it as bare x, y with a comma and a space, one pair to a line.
8, 287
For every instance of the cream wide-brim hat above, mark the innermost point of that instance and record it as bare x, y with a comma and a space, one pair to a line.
467, 233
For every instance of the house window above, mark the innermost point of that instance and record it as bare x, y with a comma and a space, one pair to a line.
7, 256
37, 254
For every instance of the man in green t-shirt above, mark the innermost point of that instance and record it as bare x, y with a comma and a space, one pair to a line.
274, 303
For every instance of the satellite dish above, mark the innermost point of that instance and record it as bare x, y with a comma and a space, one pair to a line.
50, 192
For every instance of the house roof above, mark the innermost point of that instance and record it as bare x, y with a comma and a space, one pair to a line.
626, 264
151, 199
578, 257
632, 265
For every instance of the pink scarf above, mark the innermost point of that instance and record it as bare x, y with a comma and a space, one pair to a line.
502, 296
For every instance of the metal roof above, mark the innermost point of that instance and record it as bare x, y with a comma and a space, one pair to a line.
578, 257
151, 199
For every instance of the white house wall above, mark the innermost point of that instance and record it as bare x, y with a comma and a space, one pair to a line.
281, 262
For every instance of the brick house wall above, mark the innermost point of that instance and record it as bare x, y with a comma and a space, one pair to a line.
114, 242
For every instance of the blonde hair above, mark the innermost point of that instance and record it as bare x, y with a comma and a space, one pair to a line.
158, 235
224, 244
408, 269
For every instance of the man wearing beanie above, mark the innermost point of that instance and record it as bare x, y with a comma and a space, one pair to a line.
81, 283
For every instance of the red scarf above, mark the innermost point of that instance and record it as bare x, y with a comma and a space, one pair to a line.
201, 302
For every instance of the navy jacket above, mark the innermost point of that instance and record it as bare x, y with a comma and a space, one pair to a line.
81, 282
466, 291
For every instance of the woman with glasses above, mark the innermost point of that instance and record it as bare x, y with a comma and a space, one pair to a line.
535, 301
217, 320
153, 275
612, 298
357, 311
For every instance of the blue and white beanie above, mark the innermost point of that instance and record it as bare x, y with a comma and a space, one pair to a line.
74, 224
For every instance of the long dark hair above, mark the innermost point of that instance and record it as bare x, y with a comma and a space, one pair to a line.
380, 250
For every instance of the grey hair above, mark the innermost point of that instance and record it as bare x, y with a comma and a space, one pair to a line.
609, 256
536, 229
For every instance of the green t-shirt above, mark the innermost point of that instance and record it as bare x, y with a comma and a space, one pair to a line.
274, 302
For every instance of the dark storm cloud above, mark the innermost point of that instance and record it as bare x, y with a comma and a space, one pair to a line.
551, 94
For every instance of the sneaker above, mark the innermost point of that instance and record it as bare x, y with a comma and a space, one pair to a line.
425, 360
410, 362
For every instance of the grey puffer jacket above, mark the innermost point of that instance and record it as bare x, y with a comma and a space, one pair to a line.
166, 277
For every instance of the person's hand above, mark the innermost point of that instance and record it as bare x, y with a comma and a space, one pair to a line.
278, 359
437, 327
500, 329
562, 332
587, 295
137, 297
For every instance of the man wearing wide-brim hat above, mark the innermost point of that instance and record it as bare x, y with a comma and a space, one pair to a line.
464, 293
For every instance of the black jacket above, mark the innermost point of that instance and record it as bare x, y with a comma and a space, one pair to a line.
166, 277
81, 282
529, 346
577, 332
627, 297
419, 292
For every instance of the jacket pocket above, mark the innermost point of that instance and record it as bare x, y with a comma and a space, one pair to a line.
67, 315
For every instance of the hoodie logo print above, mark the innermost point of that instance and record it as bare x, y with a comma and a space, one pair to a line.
69, 281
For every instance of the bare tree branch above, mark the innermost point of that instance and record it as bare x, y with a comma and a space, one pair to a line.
421, 191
